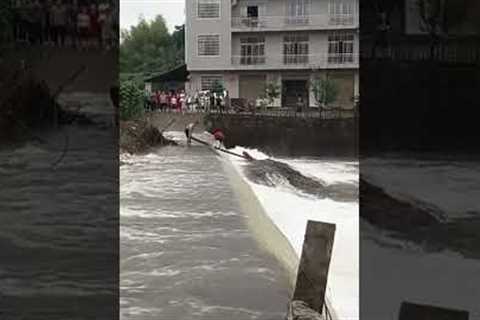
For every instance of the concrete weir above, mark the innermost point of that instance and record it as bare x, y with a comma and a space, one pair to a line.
273, 240
262, 227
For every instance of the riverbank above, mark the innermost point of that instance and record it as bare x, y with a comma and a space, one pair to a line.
140, 135
33, 81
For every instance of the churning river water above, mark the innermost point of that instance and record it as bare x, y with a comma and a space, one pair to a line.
186, 248
186, 251
58, 216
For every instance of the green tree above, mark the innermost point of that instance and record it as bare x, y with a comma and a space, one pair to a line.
178, 38
148, 48
325, 91
271, 92
131, 101
218, 87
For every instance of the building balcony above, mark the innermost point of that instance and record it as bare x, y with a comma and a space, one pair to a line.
308, 61
285, 23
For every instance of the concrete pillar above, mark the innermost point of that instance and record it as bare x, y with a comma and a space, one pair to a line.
412, 311
314, 265
356, 83
313, 77
194, 83
232, 84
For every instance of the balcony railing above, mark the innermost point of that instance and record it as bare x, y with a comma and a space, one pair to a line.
248, 60
296, 61
326, 21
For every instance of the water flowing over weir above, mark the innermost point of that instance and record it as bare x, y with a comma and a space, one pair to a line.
186, 250
295, 190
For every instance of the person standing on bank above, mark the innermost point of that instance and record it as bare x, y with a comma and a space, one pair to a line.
189, 130
300, 103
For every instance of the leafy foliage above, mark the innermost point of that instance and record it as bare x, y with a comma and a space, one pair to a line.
131, 101
217, 87
272, 92
148, 48
325, 91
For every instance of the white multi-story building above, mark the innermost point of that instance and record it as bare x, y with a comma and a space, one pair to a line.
246, 44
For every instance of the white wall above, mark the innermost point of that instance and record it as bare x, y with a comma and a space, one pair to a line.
195, 26
230, 82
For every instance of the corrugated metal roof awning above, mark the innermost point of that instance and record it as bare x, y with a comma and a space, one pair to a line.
180, 73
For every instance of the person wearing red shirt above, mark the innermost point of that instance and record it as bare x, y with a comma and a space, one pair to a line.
173, 101
219, 138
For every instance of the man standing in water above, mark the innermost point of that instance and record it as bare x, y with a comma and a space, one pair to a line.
189, 130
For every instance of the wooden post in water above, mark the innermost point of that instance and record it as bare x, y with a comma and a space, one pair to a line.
412, 311
314, 264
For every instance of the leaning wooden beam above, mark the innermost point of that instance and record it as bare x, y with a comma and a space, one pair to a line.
314, 265
220, 149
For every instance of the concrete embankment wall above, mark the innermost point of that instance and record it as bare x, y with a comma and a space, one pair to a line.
281, 136
162, 119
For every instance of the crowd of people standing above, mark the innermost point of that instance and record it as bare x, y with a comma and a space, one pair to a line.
166, 100
179, 101
82, 24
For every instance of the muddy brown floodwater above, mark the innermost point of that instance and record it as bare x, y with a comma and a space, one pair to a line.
186, 251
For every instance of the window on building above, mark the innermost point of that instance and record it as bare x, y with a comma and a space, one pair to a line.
297, 12
252, 50
295, 49
209, 45
252, 11
208, 9
340, 48
341, 12
252, 15
209, 82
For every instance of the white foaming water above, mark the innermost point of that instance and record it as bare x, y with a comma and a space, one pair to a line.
290, 212
449, 186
